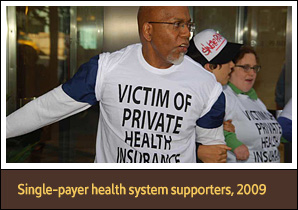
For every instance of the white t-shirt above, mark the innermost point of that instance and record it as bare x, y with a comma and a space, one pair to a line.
146, 114
254, 126
149, 114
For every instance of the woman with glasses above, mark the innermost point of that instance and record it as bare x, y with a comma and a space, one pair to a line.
254, 125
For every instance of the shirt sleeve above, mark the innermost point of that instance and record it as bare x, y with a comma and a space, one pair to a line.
214, 118
231, 140
46, 109
81, 87
285, 120
287, 111
74, 96
286, 125
209, 129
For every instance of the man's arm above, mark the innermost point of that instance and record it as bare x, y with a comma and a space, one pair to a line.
209, 131
213, 153
47, 109
74, 96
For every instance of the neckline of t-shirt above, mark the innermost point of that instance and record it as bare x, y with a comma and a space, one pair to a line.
244, 96
152, 69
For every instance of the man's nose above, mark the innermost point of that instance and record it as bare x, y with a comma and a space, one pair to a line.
185, 31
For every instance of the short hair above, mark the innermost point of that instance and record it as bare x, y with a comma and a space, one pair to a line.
214, 66
245, 49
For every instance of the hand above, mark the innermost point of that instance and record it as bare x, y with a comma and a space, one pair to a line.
228, 126
241, 152
213, 153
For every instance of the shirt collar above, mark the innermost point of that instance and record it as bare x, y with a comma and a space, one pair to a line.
251, 93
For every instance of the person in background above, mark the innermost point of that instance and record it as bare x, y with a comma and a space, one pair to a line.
280, 89
215, 54
255, 126
285, 120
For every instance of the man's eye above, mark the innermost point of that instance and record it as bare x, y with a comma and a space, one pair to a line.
177, 24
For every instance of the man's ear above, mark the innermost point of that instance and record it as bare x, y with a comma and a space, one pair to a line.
208, 67
147, 31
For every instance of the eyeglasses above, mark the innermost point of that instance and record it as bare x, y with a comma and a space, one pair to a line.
247, 67
180, 25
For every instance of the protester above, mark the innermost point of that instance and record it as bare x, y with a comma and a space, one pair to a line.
255, 126
285, 120
280, 89
151, 96
215, 54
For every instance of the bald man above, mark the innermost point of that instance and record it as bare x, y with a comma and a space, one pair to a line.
153, 99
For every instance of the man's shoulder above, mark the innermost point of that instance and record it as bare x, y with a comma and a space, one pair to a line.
117, 56
191, 63
109, 62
